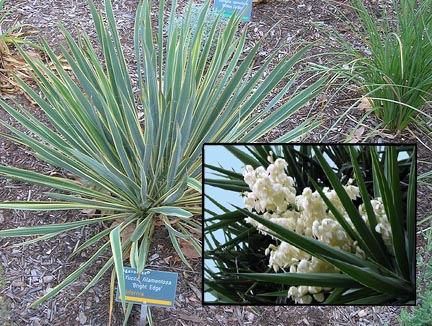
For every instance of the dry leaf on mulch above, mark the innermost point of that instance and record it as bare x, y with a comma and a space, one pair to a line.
365, 104
189, 250
358, 135
127, 232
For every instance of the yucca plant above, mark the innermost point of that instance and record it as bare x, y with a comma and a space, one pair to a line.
143, 173
395, 73
241, 266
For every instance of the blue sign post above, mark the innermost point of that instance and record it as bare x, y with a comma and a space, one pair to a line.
240, 7
152, 288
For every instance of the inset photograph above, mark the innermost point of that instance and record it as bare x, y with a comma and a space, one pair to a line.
293, 224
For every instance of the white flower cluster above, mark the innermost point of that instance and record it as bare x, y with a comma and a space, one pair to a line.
272, 189
273, 196
383, 225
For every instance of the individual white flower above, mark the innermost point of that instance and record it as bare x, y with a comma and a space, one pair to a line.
296, 293
352, 191
280, 165
359, 252
319, 297
314, 289
378, 207
341, 235
249, 175
384, 229
303, 266
302, 290
249, 201
260, 172
270, 157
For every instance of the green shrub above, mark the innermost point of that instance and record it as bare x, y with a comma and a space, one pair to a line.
140, 173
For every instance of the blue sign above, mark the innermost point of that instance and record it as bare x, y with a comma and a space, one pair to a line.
153, 288
240, 7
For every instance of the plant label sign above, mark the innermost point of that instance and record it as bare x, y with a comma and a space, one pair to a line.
229, 7
153, 288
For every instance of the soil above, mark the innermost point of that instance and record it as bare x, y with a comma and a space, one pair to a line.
31, 270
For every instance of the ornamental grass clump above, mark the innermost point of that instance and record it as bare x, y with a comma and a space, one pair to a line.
395, 71
143, 173
330, 228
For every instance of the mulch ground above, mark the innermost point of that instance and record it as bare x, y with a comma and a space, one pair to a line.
30, 271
